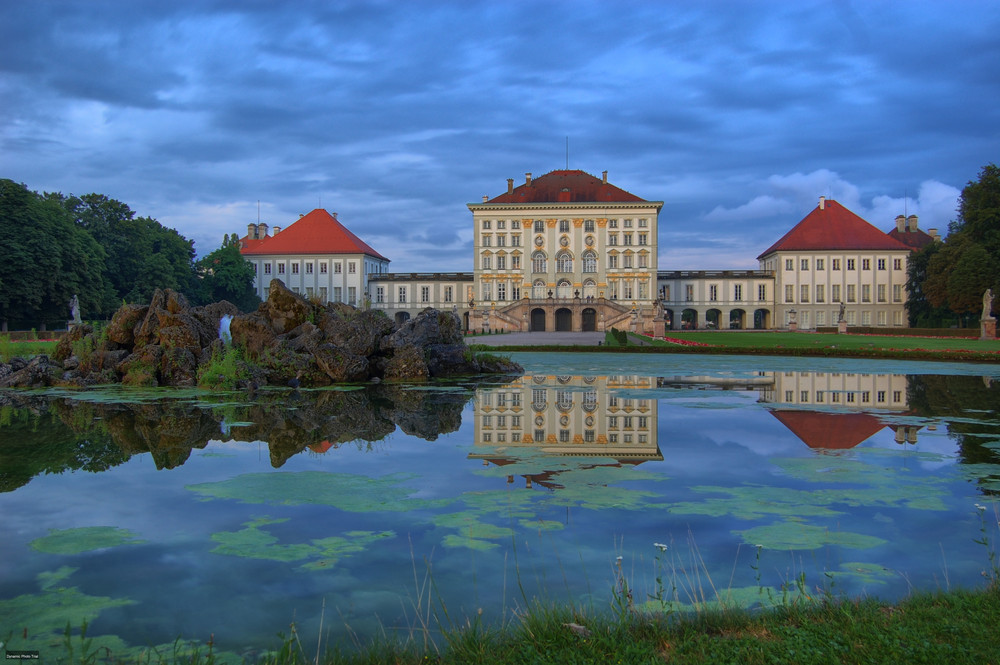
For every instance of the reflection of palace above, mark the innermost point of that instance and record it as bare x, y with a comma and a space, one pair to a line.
846, 399
569, 415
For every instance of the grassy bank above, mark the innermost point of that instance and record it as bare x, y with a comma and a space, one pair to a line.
24, 348
781, 343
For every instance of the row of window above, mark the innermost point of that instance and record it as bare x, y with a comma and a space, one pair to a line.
539, 224
852, 291
447, 295
866, 264
352, 267
849, 397
564, 437
713, 292
850, 316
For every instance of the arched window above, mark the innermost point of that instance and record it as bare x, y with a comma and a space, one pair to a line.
589, 261
538, 262
564, 262
589, 289
538, 289
564, 289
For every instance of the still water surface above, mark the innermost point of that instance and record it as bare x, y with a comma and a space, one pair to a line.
154, 515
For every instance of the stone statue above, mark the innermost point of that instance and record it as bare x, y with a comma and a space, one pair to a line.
988, 305
74, 310
840, 317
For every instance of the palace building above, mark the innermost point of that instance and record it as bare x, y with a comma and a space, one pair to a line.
568, 251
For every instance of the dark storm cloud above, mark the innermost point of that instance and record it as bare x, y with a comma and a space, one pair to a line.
736, 114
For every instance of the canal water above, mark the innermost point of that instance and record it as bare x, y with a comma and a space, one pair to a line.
598, 481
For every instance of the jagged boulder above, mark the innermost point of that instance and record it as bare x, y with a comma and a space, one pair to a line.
38, 372
289, 340
64, 349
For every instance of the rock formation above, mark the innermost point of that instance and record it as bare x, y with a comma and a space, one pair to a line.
289, 340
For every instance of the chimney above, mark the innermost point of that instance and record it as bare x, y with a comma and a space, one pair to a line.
485, 198
822, 202
510, 185
262, 230
334, 215
933, 234
527, 178
277, 230
911, 223
251, 231
900, 223
604, 177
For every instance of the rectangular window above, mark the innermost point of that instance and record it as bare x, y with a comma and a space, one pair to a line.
322, 294
501, 241
487, 241
789, 293
563, 226
515, 262
539, 226
643, 261
352, 267
897, 293
789, 395
309, 268
337, 268
850, 398
628, 223
850, 264
425, 294
281, 268
819, 293
515, 241
880, 397
897, 264
322, 268
352, 295
834, 397
486, 223
737, 292
295, 268
866, 318
515, 293
866, 264
516, 224
804, 396
448, 294
866, 293
380, 294
881, 264
642, 238
487, 263
689, 292
501, 224
880, 291
501, 262
789, 264
880, 316
851, 316
588, 226
819, 396
835, 264
267, 268
804, 264
642, 223
819, 264
336, 294
851, 293
835, 293
502, 291
402, 294
613, 261
613, 239
804, 293
821, 318
762, 292
713, 292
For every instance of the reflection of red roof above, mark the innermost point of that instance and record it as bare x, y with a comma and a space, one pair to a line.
566, 187
321, 447
833, 227
319, 232
829, 430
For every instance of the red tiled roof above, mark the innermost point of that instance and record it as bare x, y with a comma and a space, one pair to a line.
833, 227
912, 239
319, 232
571, 186
246, 242
832, 431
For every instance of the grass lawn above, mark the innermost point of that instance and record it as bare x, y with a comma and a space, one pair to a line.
812, 340
26, 349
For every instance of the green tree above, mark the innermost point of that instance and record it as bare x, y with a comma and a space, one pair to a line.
46, 260
226, 275
142, 254
952, 277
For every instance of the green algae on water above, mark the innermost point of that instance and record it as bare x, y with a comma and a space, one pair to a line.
349, 492
792, 535
84, 539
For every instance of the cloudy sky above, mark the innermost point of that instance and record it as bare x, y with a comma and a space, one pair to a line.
737, 114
